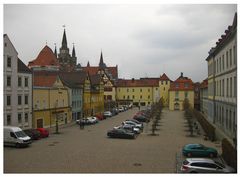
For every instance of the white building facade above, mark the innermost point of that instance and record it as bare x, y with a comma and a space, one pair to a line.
17, 88
224, 82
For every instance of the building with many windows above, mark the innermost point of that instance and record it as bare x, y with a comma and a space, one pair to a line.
181, 89
17, 88
222, 83
143, 91
164, 86
204, 97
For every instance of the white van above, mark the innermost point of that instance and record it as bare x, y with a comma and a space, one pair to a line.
15, 136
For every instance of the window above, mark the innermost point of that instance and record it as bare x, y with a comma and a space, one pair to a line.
19, 118
132, 90
127, 90
227, 87
230, 87
26, 117
19, 82
123, 96
8, 81
26, 82
19, 99
220, 85
8, 100
133, 97
8, 119
230, 57
176, 94
217, 66
166, 82
148, 96
9, 62
176, 85
140, 90
128, 97
235, 86
220, 64
223, 87
226, 119
5, 44
186, 94
227, 58
223, 62
186, 85
26, 99
156, 88
140, 96
230, 120
234, 55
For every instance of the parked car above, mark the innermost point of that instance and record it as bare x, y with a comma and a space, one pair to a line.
140, 126
204, 165
121, 109
121, 133
16, 137
33, 134
107, 114
198, 150
44, 132
141, 118
134, 120
129, 127
114, 111
92, 120
99, 116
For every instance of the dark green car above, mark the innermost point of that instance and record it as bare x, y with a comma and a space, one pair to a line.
198, 150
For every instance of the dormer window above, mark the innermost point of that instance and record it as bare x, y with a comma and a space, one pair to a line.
186, 85
177, 85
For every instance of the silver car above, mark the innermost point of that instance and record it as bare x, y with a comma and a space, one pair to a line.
204, 165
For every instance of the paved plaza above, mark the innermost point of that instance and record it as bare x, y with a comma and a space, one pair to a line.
91, 151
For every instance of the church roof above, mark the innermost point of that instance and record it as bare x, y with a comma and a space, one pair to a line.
45, 58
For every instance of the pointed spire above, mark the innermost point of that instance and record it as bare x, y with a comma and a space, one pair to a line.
101, 63
73, 51
55, 51
88, 64
64, 39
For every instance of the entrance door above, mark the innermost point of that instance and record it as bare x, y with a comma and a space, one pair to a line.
39, 123
176, 106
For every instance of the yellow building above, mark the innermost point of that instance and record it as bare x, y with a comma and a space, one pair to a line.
143, 91
50, 100
181, 89
97, 94
164, 86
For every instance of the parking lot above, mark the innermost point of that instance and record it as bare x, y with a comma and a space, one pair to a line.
91, 151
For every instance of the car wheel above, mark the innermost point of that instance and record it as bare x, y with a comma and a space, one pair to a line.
189, 154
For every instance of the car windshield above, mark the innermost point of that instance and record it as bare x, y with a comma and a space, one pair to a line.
20, 134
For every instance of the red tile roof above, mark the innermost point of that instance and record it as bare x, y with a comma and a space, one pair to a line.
92, 70
45, 58
143, 82
182, 84
204, 84
164, 77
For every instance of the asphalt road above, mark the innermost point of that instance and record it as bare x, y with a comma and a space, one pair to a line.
91, 151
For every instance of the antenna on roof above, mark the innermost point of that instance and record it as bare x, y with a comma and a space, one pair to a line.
46, 42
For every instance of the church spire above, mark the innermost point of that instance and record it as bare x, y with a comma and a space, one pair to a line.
73, 51
55, 51
88, 64
101, 63
64, 39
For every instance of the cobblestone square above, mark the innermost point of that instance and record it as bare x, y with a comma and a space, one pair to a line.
91, 151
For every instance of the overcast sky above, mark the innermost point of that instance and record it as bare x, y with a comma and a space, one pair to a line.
143, 40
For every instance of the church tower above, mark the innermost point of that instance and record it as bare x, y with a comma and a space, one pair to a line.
66, 61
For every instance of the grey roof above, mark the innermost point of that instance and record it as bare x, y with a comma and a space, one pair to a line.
22, 68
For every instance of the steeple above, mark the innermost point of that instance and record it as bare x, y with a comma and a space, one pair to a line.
55, 51
64, 39
101, 63
88, 65
73, 52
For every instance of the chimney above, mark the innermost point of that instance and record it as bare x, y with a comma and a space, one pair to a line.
132, 79
181, 74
